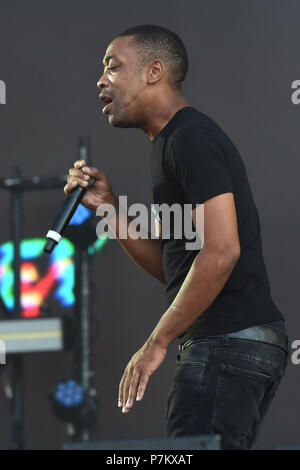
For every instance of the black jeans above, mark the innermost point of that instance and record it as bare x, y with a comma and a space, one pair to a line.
224, 385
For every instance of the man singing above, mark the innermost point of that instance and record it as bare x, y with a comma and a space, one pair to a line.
233, 347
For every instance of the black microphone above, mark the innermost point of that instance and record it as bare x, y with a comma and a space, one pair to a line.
64, 216
71, 203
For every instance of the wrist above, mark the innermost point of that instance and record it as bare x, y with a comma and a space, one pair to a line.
156, 340
113, 210
112, 200
115, 203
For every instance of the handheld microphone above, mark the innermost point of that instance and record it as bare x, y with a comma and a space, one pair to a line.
64, 216
71, 203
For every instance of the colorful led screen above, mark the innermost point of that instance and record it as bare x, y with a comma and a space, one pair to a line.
42, 276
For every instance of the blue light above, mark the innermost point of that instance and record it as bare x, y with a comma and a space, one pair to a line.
69, 393
59, 396
71, 383
67, 401
81, 215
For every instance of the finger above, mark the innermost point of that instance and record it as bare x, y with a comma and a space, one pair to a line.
126, 390
132, 392
78, 174
144, 379
121, 386
70, 186
79, 163
73, 183
78, 181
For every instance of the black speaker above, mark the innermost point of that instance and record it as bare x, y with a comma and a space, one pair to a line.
200, 442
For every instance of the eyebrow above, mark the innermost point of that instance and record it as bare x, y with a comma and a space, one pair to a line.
107, 58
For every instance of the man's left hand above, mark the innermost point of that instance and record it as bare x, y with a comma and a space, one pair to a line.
136, 375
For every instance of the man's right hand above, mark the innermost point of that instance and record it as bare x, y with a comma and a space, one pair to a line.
145, 252
98, 193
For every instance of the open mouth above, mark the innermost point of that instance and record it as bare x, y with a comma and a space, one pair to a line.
108, 103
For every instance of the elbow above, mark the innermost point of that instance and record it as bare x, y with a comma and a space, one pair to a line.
231, 253
235, 254
230, 258
225, 258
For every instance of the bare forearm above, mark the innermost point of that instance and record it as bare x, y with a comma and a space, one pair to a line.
206, 278
145, 252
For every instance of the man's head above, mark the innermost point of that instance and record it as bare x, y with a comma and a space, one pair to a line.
143, 65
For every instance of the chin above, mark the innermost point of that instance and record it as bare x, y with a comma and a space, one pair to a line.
114, 121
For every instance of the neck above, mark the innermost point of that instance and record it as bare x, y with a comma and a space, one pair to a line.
162, 112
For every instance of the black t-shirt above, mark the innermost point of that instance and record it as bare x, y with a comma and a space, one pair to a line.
192, 161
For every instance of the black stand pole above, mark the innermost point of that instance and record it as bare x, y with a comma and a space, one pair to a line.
82, 356
85, 319
18, 398
84, 289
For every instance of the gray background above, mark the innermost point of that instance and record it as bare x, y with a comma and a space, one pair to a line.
243, 58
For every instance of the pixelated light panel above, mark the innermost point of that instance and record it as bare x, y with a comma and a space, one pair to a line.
56, 277
42, 276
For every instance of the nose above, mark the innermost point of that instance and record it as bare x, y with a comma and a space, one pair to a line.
102, 82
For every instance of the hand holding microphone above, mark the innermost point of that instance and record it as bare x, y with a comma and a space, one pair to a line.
85, 185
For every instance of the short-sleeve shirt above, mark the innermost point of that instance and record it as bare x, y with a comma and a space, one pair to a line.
193, 160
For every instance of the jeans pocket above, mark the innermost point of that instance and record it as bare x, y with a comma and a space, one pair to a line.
185, 389
240, 391
189, 373
251, 374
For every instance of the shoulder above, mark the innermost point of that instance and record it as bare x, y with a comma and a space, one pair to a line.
192, 132
195, 141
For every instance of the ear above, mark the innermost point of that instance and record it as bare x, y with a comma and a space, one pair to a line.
156, 71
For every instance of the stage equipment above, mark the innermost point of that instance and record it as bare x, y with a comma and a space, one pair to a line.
81, 419
75, 405
200, 442
17, 186
288, 447
45, 281
32, 335
11, 304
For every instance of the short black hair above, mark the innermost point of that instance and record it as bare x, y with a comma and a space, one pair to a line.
157, 42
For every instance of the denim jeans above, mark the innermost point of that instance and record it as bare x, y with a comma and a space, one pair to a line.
224, 385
